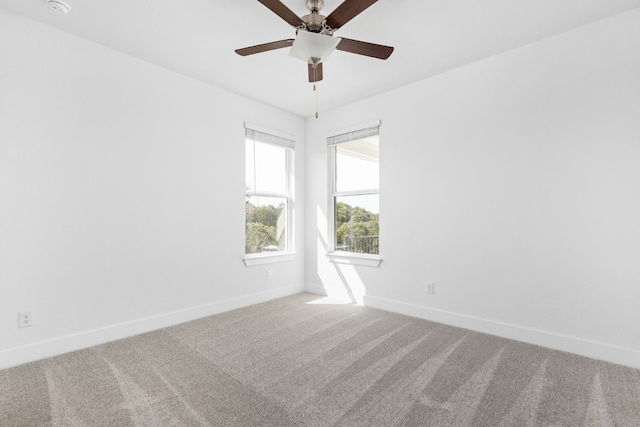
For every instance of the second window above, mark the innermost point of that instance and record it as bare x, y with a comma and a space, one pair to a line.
354, 159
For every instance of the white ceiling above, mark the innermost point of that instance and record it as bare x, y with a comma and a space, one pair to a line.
198, 37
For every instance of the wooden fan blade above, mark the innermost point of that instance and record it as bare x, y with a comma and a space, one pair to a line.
315, 74
283, 12
363, 48
264, 47
348, 10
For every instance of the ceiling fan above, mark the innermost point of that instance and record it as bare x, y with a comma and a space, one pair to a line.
314, 34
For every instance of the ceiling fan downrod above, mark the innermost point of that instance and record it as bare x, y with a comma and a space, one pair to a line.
315, 6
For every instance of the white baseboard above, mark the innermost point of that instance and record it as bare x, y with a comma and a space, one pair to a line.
333, 292
41, 350
591, 349
315, 289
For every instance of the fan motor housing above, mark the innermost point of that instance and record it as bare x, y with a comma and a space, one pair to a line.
314, 22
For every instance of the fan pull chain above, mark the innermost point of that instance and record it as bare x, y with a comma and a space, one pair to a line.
315, 89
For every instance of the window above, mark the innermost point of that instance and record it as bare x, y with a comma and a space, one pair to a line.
355, 191
268, 170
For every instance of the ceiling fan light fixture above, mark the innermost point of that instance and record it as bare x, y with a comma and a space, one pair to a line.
312, 45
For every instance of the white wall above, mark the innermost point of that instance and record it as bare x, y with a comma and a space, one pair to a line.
121, 195
512, 183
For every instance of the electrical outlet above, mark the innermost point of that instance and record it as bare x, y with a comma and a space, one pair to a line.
25, 318
431, 288
269, 274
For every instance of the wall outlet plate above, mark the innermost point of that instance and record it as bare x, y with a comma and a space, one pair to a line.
25, 319
431, 288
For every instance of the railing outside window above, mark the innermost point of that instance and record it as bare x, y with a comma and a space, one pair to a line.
361, 244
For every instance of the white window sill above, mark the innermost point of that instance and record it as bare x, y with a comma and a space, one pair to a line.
261, 259
354, 259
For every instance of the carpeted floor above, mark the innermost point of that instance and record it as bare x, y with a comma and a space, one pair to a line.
296, 362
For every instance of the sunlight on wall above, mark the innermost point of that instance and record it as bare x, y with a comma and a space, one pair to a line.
323, 226
351, 281
339, 281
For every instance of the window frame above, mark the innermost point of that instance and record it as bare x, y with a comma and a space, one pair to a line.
352, 134
286, 142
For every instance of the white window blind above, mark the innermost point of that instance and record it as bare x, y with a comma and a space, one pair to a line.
353, 135
258, 136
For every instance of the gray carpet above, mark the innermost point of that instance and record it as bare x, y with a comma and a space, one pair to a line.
290, 362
